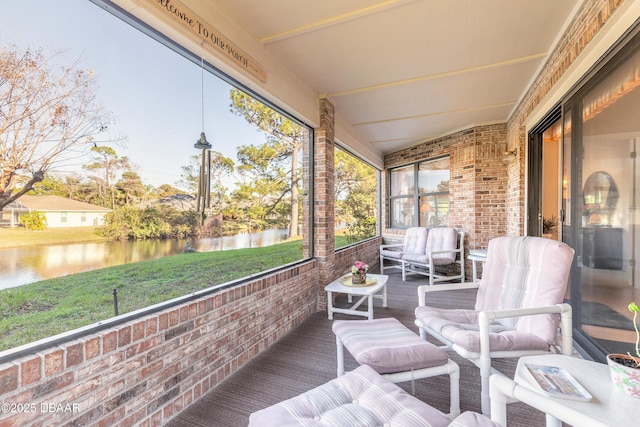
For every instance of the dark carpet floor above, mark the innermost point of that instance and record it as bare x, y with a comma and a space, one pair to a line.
306, 358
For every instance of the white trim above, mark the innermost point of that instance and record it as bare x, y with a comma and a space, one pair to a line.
621, 20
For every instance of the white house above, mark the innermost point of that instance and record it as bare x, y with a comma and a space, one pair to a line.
60, 212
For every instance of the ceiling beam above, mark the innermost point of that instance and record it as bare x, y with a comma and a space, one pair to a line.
506, 63
328, 22
437, 113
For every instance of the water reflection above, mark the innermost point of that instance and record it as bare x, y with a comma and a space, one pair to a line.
19, 266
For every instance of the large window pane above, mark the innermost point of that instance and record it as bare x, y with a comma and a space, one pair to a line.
434, 210
402, 210
160, 189
432, 194
402, 181
433, 177
608, 200
356, 184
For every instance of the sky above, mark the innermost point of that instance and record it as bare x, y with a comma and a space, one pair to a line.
155, 94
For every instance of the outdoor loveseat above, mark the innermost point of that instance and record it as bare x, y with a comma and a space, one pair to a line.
423, 250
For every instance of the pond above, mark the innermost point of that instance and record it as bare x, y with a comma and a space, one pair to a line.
20, 266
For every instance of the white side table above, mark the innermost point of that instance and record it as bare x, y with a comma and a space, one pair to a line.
475, 256
608, 406
365, 292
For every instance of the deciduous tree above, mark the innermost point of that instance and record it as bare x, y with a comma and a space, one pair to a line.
48, 116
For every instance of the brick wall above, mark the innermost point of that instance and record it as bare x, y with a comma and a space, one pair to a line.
331, 263
368, 251
145, 371
590, 19
323, 164
477, 187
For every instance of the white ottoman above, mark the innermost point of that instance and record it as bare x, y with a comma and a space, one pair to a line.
397, 353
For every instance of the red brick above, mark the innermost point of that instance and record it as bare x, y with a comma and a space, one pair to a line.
75, 354
156, 418
174, 317
8, 378
109, 341
53, 362
184, 313
138, 331
30, 371
92, 348
152, 326
112, 418
124, 336
163, 321
52, 385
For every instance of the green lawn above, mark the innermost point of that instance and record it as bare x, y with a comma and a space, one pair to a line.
14, 237
49, 307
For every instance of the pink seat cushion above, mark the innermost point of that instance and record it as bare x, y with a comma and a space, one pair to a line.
359, 398
387, 345
461, 327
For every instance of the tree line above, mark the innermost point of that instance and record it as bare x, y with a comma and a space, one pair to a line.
50, 115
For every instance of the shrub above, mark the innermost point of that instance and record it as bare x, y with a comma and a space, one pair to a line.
34, 220
163, 222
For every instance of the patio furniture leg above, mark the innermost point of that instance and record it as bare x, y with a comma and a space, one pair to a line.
340, 356
552, 421
454, 387
330, 304
384, 296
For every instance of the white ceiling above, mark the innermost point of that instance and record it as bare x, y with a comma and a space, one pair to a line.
401, 72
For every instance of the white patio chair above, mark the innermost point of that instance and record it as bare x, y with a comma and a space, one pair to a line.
516, 312
415, 242
445, 246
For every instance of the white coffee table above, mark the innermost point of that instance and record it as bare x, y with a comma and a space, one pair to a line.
364, 292
607, 407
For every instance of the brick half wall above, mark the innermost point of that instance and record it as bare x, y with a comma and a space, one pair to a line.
145, 371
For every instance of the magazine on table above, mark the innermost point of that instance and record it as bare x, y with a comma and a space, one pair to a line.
554, 381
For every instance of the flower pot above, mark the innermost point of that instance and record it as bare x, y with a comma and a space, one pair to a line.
359, 279
624, 374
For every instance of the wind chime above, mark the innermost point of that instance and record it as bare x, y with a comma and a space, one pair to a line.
204, 181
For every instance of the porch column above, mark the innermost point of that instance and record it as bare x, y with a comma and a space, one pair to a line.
324, 221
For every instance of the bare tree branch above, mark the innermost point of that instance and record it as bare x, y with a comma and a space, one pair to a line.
47, 115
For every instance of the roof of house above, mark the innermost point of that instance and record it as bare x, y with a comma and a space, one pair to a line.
57, 203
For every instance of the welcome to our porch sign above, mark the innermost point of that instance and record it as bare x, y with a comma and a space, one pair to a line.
177, 12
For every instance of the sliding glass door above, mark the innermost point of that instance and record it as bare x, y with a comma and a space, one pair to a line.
600, 196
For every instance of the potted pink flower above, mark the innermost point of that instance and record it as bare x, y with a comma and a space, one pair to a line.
625, 368
359, 273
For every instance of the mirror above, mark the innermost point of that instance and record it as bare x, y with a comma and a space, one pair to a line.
600, 199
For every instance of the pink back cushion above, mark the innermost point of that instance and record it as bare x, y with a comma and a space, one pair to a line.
523, 272
441, 238
415, 240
